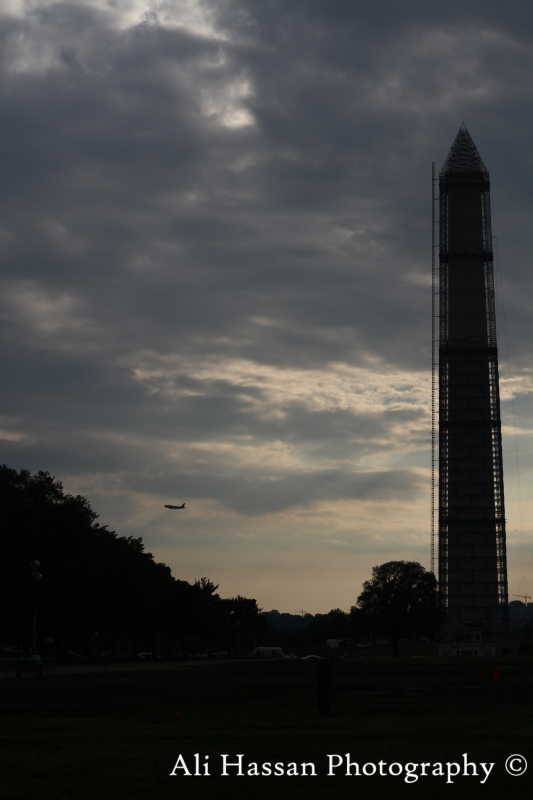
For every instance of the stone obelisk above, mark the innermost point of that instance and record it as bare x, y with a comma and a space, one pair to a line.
471, 548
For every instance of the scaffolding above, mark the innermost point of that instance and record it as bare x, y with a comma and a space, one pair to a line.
433, 365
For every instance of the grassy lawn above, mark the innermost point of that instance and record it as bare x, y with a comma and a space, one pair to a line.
61, 740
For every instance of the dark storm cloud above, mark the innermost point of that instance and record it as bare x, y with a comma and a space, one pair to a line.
260, 196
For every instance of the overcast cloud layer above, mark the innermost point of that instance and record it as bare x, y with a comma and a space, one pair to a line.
216, 247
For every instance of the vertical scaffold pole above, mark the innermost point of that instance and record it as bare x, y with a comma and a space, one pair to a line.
433, 367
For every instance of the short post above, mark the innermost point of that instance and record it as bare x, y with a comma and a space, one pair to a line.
324, 685
105, 685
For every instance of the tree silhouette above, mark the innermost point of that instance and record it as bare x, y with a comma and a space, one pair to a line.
400, 598
99, 590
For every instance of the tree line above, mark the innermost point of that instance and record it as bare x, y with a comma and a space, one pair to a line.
103, 592
100, 591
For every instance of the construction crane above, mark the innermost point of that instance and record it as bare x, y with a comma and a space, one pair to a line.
525, 597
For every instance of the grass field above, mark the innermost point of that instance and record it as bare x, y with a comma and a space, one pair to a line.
68, 736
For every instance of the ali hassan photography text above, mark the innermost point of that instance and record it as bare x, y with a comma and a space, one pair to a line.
266, 430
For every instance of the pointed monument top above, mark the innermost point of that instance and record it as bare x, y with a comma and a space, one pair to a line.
464, 156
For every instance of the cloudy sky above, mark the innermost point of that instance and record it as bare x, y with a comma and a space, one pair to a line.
215, 287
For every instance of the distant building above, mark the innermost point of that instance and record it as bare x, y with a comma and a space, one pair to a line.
481, 649
519, 612
268, 652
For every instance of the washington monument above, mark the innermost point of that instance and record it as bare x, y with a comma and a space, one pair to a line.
471, 526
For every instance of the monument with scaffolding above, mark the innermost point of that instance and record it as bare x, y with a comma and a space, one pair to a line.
472, 568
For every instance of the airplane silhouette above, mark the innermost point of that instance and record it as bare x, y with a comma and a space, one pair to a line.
175, 507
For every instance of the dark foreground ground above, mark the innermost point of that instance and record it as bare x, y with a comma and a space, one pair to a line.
69, 737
